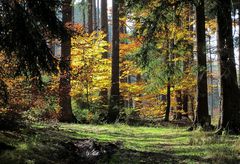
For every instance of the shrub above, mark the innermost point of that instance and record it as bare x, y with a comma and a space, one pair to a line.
43, 110
93, 114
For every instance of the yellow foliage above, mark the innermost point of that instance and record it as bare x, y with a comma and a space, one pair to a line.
90, 71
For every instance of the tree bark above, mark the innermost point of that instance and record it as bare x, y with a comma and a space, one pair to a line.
230, 105
104, 18
178, 115
104, 28
84, 13
168, 107
94, 9
114, 107
168, 59
66, 114
185, 104
202, 117
90, 16
97, 15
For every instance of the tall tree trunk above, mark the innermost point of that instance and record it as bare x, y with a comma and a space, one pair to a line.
90, 16
170, 44
97, 15
168, 107
202, 117
66, 114
104, 28
211, 77
94, 15
178, 115
192, 106
104, 18
114, 107
185, 104
84, 13
230, 105
122, 30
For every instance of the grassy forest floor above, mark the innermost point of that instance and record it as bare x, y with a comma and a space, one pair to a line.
46, 143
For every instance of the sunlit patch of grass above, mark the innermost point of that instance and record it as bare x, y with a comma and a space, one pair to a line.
189, 146
139, 144
135, 138
210, 147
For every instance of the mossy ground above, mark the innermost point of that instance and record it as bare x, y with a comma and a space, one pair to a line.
171, 144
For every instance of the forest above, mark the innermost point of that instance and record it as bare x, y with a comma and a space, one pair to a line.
119, 81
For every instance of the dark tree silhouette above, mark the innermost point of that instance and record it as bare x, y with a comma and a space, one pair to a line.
114, 106
26, 27
202, 117
90, 16
104, 18
230, 104
66, 114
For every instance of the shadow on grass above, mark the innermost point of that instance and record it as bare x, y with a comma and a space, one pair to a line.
166, 146
163, 148
131, 157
